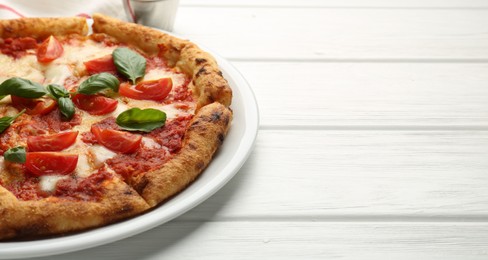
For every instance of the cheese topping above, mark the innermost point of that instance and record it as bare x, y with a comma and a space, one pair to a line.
25, 67
76, 55
48, 182
177, 78
57, 74
99, 154
150, 143
83, 168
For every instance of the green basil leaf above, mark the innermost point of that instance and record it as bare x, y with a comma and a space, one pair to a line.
99, 82
57, 91
16, 155
129, 63
66, 107
136, 119
22, 88
6, 121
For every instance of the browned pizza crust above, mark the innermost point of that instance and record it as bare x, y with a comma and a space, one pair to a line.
50, 216
208, 84
205, 134
40, 28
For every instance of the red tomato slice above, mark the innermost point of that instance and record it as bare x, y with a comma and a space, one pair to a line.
36, 106
103, 64
95, 104
55, 142
49, 50
43, 163
117, 141
152, 89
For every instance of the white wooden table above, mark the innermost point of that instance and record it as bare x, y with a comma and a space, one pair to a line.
373, 141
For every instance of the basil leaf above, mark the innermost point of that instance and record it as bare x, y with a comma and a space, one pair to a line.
66, 107
22, 88
16, 155
145, 120
6, 121
99, 82
129, 63
57, 91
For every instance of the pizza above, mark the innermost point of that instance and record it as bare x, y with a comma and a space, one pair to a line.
99, 127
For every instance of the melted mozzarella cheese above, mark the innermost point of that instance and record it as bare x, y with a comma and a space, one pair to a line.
57, 74
100, 154
25, 67
83, 168
150, 143
87, 122
121, 107
2, 163
48, 182
88, 50
177, 78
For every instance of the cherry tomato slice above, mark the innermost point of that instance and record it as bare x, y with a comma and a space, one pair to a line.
37, 106
147, 90
49, 50
95, 104
44, 163
103, 64
117, 141
55, 142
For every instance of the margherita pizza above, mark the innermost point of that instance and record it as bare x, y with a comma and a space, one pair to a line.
99, 128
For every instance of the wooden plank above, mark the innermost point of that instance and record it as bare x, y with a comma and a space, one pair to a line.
337, 34
366, 94
340, 3
356, 175
298, 240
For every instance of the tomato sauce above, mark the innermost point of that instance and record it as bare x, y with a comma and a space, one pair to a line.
142, 161
85, 189
17, 47
55, 123
170, 137
27, 189
171, 134
79, 189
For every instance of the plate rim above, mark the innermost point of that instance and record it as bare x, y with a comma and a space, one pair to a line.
116, 232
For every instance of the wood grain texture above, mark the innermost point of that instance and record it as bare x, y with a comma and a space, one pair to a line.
358, 175
338, 34
369, 94
298, 240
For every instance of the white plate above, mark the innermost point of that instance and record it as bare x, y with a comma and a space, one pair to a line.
232, 155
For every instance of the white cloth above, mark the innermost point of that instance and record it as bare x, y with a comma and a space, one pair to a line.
56, 8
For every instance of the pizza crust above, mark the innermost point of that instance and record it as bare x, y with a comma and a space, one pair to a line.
50, 216
41, 28
204, 136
